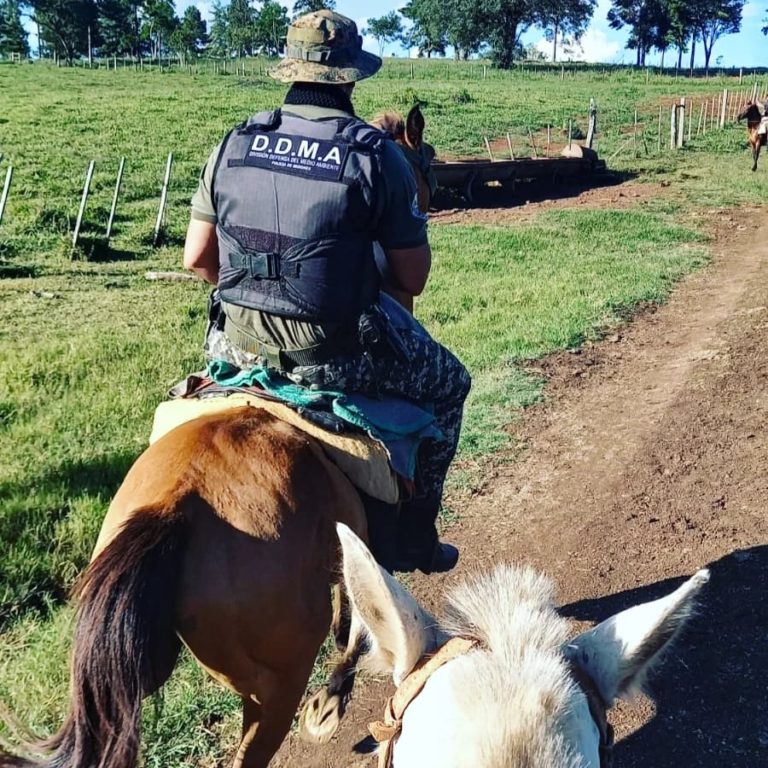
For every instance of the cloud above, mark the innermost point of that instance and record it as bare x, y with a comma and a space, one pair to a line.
594, 46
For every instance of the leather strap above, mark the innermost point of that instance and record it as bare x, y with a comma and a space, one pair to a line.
387, 731
598, 709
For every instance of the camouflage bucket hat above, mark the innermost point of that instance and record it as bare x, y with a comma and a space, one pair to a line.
325, 47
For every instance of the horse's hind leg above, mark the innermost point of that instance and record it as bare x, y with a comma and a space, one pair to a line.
265, 724
340, 624
755, 155
322, 713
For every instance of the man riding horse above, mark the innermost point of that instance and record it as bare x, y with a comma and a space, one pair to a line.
284, 222
763, 129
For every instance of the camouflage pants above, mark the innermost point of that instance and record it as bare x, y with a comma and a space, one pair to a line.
422, 371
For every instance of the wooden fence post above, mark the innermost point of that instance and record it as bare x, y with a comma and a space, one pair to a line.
592, 129
681, 123
114, 198
488, 148
690, 124
533, 143
661, 121
634, 135
81, 212
723, 108
509, 144
163, 199
6, 191
673, 128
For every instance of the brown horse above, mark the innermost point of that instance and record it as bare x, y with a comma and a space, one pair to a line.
409, 135
751, 114
221, 537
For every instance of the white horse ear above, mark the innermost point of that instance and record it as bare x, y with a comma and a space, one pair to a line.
619, 652
396, 624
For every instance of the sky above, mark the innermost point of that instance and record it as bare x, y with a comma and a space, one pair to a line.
600, 43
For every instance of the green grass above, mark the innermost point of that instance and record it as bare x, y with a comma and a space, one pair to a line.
87, 348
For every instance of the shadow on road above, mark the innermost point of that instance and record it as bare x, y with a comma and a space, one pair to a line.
711, 693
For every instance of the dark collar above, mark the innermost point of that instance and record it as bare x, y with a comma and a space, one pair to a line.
320, 95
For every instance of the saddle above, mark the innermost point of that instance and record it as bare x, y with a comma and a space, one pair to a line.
362, 459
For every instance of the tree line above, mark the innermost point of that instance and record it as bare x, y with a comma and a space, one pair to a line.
471, 26
71, 29
68, 29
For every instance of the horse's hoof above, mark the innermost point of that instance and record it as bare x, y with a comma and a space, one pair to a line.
321, 717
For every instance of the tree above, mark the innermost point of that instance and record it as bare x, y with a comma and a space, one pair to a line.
680, 30
385, 29
189, 37
13, 36
218, 36
465, 28
714, 18
765, 28
241, 23
119, 23
505, 21
648, 21
427, 32
64, 25
300, 7
272, 27
560, 18
158, 24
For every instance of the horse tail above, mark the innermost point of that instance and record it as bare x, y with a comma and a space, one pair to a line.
125, 644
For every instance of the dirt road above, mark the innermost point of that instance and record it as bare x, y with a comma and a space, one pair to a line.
648, 460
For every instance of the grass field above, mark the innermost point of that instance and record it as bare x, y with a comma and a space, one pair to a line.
89, 347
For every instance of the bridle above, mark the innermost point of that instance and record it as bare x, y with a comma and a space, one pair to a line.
598, 709
387, 730
421, 159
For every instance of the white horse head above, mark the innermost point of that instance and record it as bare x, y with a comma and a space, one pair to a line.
520, 697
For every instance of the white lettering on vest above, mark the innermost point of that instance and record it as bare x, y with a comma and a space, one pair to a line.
283, 146
333, 156
308, 150
260, 143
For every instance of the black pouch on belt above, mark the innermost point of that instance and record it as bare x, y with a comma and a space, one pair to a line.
216, 315
376, 332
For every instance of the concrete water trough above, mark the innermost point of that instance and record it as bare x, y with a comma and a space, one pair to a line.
467, 175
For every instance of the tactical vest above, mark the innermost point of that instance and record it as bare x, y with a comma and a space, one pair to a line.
296, 209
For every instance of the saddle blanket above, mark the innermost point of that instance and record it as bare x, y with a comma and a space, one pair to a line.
361, 458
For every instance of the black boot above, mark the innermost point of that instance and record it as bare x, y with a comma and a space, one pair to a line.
382, 530
418, 547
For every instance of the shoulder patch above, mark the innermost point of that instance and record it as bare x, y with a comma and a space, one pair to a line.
298, 155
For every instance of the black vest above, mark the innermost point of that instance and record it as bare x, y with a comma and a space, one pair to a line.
296, 208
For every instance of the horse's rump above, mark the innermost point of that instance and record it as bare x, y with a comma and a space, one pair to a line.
361, 458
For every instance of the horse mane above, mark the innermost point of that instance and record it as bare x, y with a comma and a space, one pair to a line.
751, 112
390, 121
510, 612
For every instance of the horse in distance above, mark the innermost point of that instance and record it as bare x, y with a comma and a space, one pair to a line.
757, 140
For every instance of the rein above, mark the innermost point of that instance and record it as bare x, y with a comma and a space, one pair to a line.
418, 159
387, 730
